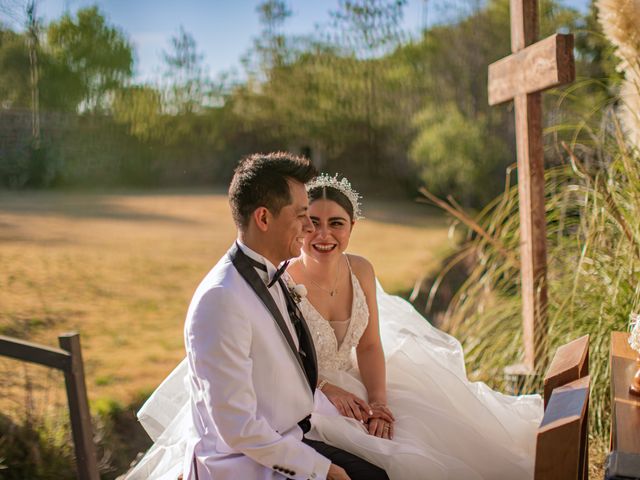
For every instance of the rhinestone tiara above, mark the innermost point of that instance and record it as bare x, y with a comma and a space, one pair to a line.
343, 186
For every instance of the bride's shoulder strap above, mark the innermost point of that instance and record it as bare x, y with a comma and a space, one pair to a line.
346, 255
358, 263
362, 269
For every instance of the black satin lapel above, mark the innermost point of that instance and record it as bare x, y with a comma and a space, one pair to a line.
310, 349
304, 337
247, 271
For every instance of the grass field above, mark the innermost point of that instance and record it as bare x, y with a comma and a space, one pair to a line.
121, 269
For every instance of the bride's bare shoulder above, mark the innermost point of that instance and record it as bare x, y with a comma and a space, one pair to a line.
362, 268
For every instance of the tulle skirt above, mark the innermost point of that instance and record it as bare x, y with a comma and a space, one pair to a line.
446, 426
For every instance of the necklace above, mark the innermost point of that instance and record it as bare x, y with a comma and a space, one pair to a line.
334, 291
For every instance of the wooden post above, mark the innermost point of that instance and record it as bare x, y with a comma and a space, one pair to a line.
521, 77
79, 409
69, 360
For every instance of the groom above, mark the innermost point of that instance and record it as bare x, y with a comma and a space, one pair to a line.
252, 365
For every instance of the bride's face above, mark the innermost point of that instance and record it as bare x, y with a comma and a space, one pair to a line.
332, 230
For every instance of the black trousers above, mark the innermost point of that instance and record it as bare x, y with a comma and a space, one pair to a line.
356, 468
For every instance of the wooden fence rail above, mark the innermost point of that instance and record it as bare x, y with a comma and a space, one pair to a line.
68, 358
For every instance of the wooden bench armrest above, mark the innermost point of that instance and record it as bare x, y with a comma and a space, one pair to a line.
570, 362
562, 443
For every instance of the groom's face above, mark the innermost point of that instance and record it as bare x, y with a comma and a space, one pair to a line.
292, 223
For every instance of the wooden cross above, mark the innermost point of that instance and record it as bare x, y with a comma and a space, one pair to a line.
521, 77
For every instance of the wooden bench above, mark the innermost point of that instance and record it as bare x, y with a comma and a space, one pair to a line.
624, 459
562, 444
562, 441
570, 362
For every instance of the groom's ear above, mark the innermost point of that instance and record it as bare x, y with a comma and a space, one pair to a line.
261, 217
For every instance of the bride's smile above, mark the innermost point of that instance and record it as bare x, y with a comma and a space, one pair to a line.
324, 247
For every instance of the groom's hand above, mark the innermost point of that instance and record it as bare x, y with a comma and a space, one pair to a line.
337, 473
347, 403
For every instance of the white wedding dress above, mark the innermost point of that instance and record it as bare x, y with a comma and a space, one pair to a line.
446, 426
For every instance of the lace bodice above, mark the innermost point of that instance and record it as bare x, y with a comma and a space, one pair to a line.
332, 356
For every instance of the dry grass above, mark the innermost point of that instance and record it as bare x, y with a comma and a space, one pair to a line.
121, 268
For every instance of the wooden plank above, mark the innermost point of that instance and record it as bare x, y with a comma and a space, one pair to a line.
545, 64
79, 410
570, 362
524, 23
533, 249
561, 444
34, 353
620, 346
625, 413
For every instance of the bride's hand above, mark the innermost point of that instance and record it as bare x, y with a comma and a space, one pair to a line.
381, 411
347, 403
380, 428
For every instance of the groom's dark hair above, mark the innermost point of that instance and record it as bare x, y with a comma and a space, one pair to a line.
260, 180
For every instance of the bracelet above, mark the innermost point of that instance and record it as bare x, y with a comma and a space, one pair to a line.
322, 383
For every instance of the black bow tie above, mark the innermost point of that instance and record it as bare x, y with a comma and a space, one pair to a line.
263, 267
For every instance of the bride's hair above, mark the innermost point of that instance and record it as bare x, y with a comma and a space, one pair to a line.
333, 194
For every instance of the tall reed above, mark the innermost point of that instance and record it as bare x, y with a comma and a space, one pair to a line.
593, 239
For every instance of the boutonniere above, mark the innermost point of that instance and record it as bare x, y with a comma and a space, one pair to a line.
297, 291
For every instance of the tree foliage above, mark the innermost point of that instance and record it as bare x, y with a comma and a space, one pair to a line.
454, 154
185, 89
360, 95
98, 53
140, 108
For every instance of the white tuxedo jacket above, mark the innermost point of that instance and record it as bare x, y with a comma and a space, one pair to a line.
248, 390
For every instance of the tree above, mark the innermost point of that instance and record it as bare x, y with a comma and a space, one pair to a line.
456, 155
59, 89
452, 61
186, 91
26, 13
369, 28
98, 53
14, 70
368, 31
140, 108
271, 45
33, 30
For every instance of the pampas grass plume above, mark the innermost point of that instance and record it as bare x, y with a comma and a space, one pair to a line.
620, 20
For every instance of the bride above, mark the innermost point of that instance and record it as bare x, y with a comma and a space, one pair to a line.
392, 389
